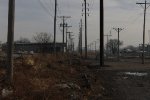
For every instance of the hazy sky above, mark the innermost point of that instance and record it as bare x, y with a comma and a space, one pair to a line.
32, 18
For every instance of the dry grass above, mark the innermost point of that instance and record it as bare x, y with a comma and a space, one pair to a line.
36, 75
35, 78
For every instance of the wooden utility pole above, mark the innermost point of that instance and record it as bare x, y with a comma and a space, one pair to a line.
101, 33
91, 48
95, 46
63, 29
71, 43
79, 45
85, 13
64, 25
118, 30
67, 26
55, 25
145, 8
80, 37
107, 42
10, 42
85, 30
66, 37
69, 40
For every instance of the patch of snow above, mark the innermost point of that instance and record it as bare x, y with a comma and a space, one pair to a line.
136, 74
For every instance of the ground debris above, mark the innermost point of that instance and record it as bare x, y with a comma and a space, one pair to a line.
86, 81
68, 85
6, 92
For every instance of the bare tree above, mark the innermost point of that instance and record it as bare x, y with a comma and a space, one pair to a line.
23, 40
113, 45
42, 37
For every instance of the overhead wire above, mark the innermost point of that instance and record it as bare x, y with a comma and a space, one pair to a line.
68, 6
91, 5
45, 9
50, 5
59, 7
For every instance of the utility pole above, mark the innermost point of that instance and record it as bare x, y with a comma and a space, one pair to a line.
55, 25
72, 44
80, 37
92, 44
79, 44
67, 26
107, 42
118, 30
69, 39
95, 46
145, 8
85, 13
10, 42
101, 33
79, 40
91, 49
64, 25
73, 47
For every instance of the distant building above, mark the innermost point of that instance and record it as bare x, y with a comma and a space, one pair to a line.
147, 47
36, 47
0, 46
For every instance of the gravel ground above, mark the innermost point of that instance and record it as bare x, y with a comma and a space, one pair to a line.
127, 80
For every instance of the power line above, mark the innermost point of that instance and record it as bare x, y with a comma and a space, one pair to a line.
52, 4
68, 5
45, 8
92, 5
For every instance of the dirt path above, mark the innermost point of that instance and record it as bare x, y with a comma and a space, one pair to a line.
127, 83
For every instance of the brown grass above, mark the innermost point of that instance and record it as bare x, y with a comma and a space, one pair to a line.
35, 78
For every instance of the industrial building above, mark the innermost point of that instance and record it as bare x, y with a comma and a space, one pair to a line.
37, 47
